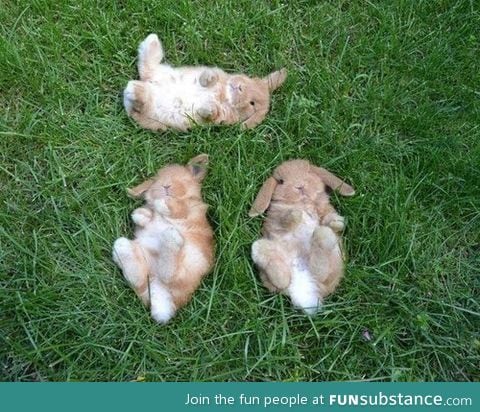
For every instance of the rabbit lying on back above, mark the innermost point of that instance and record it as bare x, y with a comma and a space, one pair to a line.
167, 97
300, 253
173, 246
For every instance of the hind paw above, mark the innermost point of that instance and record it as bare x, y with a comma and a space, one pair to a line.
151, 49
134, 96
122, 251
141, 216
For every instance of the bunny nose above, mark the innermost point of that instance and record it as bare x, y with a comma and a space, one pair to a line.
300, 188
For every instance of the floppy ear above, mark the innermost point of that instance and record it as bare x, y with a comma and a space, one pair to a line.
198, 167
139, 190
275, 80
263, 198
333, 181
255, 119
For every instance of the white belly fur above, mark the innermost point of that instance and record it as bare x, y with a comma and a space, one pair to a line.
302, 290
178, 93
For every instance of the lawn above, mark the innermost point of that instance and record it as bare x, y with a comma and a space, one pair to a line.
383, 93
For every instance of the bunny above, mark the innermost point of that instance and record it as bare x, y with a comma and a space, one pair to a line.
168, 97
173, 246
300, 253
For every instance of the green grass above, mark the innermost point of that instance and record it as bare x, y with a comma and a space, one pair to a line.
385, 94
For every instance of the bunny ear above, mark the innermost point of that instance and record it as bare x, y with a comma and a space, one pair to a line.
333, 181
139, 190
263, 198
198, 166
255, 119
275, 80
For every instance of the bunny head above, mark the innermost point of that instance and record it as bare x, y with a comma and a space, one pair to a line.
297, 181
174, 181
250, 97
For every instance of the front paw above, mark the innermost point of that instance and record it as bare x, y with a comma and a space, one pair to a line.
141, 216
208, 112
334, 221
161, 207
292, 219
208, 78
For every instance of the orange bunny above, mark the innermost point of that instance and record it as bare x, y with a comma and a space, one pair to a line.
300, 252
180, 97
173, 246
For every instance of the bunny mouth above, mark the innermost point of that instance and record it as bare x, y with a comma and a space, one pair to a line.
301, 189
162, 193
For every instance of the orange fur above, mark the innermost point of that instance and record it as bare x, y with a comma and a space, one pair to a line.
173, 246
300, 252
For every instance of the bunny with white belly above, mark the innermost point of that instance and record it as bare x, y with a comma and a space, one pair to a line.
173, 245
300, 252
169, 97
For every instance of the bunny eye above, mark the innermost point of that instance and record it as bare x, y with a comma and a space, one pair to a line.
280, 181
252, 103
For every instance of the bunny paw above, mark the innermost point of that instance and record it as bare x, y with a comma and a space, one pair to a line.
122, 251
292, 218
207, 112
134, 96
151, 48
161, 207
335, 221
208, 78
141, 216
324, 237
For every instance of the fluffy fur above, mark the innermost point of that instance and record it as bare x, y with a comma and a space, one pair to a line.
300, 253
167, 97
173, 246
